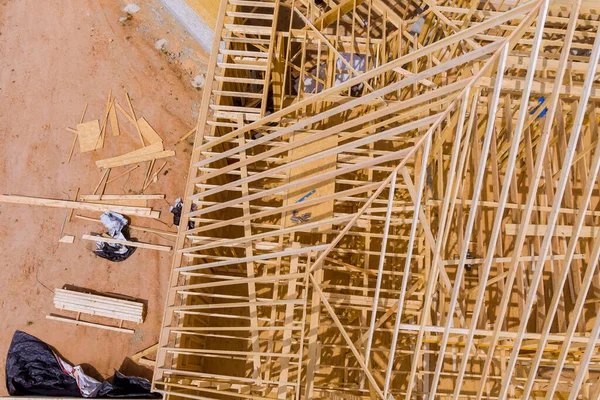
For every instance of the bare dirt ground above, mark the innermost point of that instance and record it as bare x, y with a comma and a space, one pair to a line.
56, 56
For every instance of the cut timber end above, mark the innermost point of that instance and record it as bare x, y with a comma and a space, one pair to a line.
97, 305
67, 239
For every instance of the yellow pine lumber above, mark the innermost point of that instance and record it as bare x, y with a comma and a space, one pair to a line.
127, 243
85, 323
109, 163
76, 205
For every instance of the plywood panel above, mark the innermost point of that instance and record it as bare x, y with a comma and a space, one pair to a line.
88, 134
299, 194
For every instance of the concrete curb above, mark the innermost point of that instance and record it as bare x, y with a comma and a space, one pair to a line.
199, 30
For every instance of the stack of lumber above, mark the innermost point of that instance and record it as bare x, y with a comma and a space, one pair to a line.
101, 306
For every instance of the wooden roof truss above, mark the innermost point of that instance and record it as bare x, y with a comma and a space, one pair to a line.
391, 201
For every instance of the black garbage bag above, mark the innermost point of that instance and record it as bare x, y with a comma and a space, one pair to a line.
121, 386
117, 229
33, 369
113, 253
177, 209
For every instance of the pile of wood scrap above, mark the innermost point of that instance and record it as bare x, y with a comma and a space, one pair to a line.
152, 149
91, 136
132, 205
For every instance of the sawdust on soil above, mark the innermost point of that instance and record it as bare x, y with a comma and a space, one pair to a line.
53, 59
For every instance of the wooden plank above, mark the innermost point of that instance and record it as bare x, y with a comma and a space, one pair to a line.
154, 177
109, 104
127, 243
152, 148
95, 197
76, 205
150, 152
90, 324
134, 227
123, 202
100, 298
109, 163
187, 135
88, 309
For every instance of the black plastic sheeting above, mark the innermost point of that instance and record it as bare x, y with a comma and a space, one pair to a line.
32, 370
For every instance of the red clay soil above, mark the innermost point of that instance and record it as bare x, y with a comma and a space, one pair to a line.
56, 56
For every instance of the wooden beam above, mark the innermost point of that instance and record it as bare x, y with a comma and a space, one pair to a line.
38, 201
127, 243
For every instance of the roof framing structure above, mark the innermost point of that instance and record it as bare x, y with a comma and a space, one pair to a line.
391, 200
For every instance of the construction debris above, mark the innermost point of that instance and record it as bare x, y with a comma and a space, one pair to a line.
67, 239
91, 136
